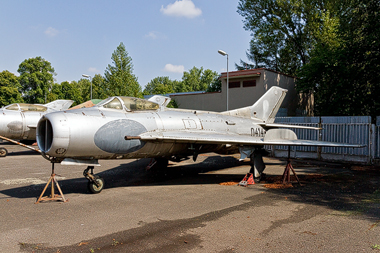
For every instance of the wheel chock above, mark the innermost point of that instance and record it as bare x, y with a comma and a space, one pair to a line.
247, 180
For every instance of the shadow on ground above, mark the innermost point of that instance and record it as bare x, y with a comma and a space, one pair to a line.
135, 174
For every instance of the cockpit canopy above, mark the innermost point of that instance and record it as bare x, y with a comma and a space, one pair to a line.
26, 107
130, 103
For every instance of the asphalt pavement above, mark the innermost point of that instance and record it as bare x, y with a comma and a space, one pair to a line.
190, 207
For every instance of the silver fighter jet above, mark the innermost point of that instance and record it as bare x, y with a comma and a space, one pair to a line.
19, 121
126, 127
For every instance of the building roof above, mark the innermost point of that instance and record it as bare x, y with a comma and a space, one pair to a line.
249, 73
176, 94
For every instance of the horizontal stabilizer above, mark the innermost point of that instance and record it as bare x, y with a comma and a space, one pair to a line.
287, 126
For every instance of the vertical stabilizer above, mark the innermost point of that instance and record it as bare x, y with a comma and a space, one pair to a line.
265, 108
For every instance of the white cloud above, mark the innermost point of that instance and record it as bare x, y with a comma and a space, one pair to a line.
155, 35
174, 68
93, 70
181, 8
51, 32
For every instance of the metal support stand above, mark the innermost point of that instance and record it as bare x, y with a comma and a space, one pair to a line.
53, 196
286, 175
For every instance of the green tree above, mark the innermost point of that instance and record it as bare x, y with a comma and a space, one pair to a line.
98, 91
9, 89
215, 86
97, 87
343, 72
85, 88
198, 79
283, 31
159, 85
36, 79
66, 90
119, 77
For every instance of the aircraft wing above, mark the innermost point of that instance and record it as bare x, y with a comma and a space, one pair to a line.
203, 137
287, 126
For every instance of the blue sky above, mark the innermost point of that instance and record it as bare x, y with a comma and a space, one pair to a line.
163, 37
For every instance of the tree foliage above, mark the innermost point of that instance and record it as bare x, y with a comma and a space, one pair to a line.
281, 31
197, 79
215, 86
343, 72
119, 77
67, 90
332, 46
9, 89
97, 88
159, 85
36, 79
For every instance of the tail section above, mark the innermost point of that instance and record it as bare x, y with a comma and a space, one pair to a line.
161, 100
60, 104
265, 108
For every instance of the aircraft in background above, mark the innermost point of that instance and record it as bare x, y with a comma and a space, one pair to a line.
126, 127
19, 121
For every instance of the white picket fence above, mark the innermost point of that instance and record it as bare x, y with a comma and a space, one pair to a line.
354, 130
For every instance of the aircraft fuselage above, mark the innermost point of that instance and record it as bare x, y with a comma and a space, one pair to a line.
100, 133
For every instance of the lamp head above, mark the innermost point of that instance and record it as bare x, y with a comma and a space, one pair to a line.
222, 52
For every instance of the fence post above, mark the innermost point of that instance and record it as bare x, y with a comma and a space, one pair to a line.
319, 149
372, 143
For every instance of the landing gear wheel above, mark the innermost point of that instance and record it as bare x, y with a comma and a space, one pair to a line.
3, 152
96, 187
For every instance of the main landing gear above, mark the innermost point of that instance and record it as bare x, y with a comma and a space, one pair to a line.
95, 183
257, 164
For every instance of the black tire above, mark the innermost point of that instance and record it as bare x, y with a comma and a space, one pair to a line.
93, 188
3, 152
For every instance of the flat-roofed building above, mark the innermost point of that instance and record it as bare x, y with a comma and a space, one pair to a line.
244, 89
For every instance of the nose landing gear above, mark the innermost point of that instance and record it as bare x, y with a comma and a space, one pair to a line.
95, 183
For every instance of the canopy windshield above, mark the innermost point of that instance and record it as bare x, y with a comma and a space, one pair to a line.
138, 104
26, 107
132, 104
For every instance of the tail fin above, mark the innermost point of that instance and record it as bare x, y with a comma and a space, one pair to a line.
265, 108
161, 100
60, 104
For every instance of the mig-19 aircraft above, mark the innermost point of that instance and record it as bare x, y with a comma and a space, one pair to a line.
125, 127
19, 121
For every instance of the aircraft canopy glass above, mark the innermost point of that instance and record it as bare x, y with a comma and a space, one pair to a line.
26, 107
138, 104
133, 104
114, 104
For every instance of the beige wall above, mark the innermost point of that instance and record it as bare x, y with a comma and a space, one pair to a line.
212, 101
242, 96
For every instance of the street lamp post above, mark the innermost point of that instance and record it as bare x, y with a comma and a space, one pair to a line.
89, 77
224, 54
